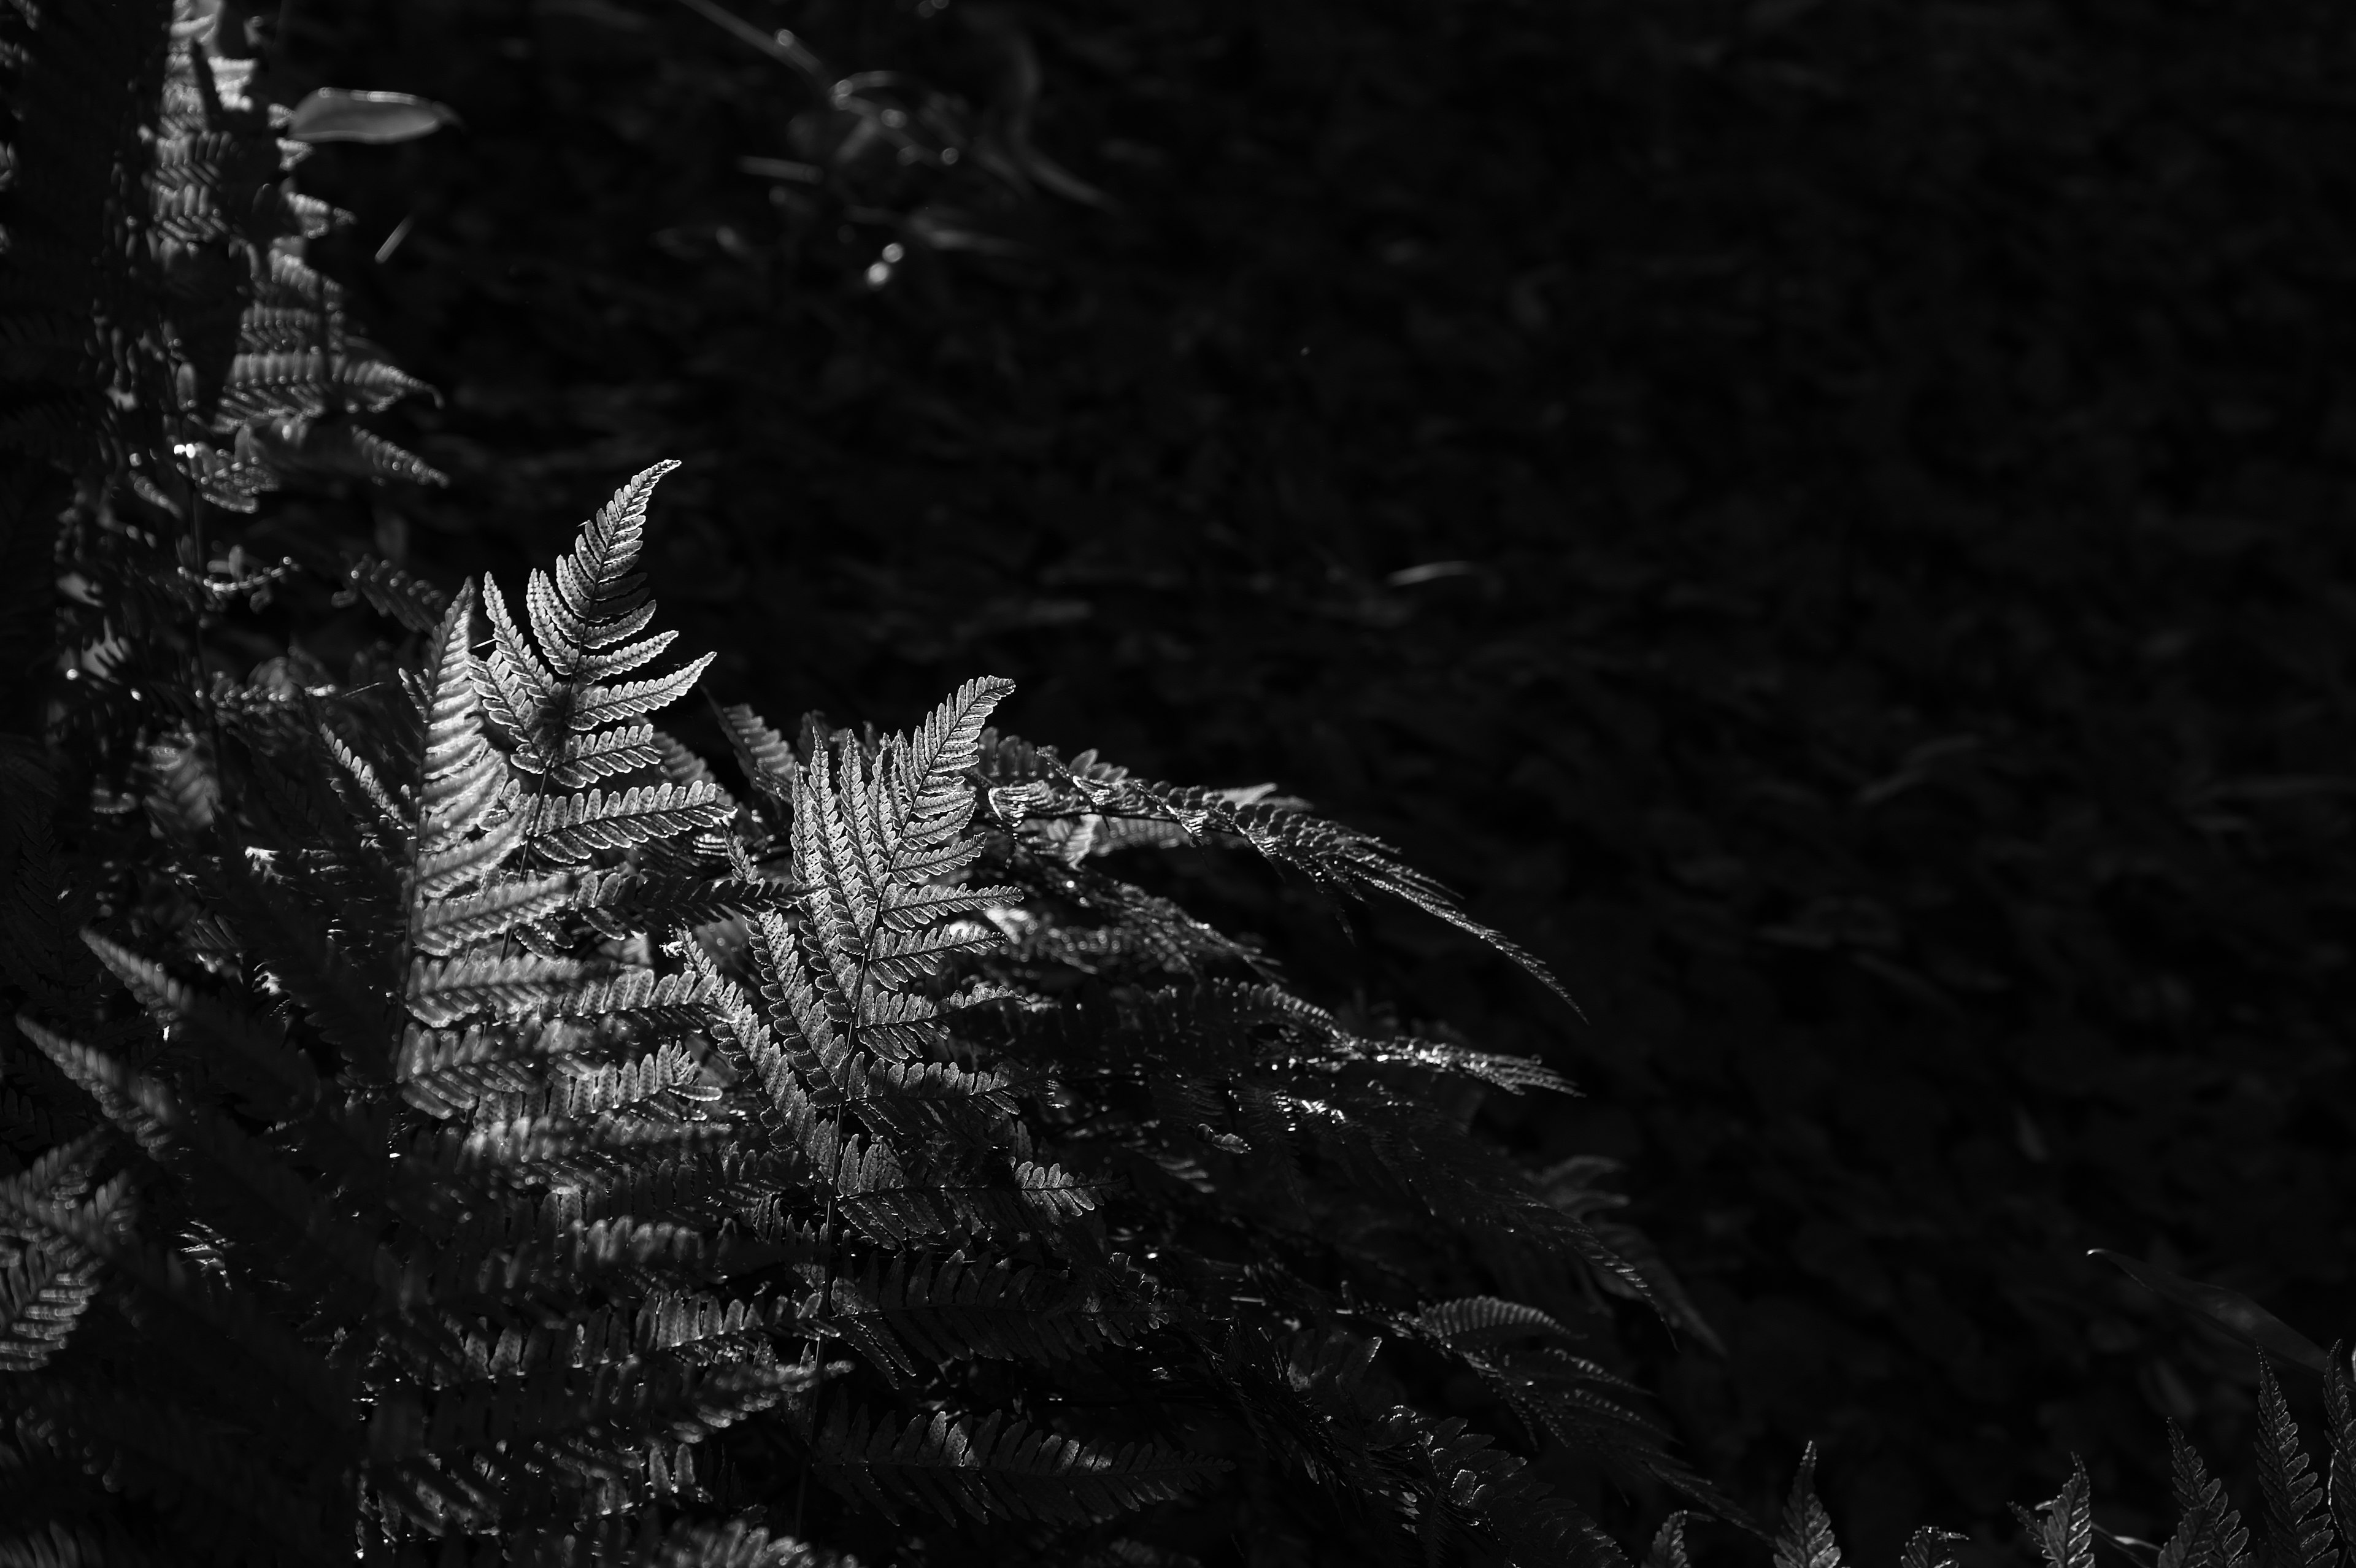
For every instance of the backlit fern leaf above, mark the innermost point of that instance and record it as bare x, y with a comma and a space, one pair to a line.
1806, 1539
1668, 1548
586, 616
1478, 1322
2063, 1530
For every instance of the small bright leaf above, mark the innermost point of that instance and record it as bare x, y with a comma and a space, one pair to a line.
344, 115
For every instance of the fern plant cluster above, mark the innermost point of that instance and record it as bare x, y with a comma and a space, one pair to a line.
508, 1138
444, 1122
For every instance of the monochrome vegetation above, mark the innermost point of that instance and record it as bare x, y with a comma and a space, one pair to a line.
446, 1119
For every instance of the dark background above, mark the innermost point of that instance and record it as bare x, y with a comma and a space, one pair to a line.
1884, 470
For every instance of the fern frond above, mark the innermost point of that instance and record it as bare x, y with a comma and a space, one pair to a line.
766, 756
53, 1279
219, 1316
2065, 1532
1003, 1468
448, 926
274, 1075
1479, 1322
1668, 1548
861, 829
419, 607
461, 837
1334, 857
1806, 1539
1928, 1548
2209, 1534
443, 1072
2298, 1529
1471, 1477
449, 991
168, 1127
635, 899
923, 1312
2339, 1404
584, 616
582, 759
1514, 1074
576, 827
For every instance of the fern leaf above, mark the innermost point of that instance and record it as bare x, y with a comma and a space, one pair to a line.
1805, 1540
860, 831
1668, 1548
2298, 1529
47, 1285
1003, 1468
2065, 1532
393, 593
1927, 1548
1476, 1322
2209, 1534
928, 1312
1470, 1476
1512, 1073
577, 826
1332, 855
168, 1127
464, 781
637, 991
584, 615
766, 756
275, 1075
450, 925
448, 991
603, 705
443, 1072
222, 1314
2339, 1404
635, 899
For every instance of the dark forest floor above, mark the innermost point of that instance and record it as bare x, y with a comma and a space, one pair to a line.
1830, 522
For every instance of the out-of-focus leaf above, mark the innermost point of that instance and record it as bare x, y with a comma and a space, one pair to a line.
347, 114
2236, 1313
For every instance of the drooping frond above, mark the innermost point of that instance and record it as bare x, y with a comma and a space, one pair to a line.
1041, 791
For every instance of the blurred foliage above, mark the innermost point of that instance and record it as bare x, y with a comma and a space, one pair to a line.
1824, 517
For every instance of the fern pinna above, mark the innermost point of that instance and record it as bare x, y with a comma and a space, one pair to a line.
500, 1142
